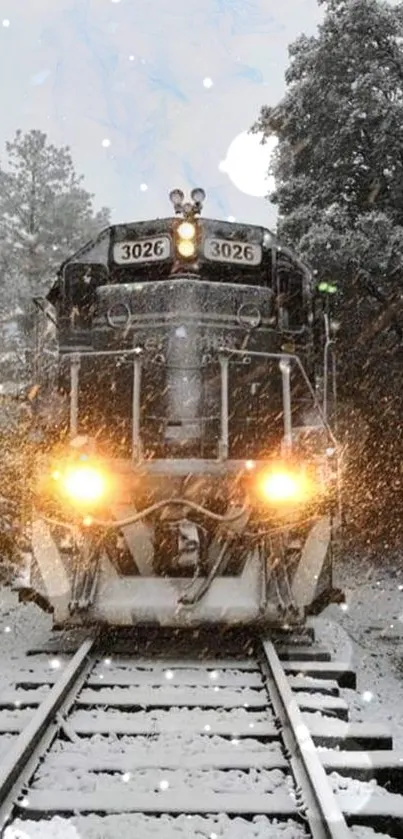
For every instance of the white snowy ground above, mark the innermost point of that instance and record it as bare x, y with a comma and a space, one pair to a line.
367, 632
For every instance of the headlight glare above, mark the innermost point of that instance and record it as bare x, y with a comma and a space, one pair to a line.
280, 486
186, 248
186, 230
83, 484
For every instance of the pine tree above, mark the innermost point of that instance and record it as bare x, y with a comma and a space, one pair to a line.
339, 191
340, 124
339, 160
45, 215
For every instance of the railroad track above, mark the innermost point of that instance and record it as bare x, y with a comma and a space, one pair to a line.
167, 738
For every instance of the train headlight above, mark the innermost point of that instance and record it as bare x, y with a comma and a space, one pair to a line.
281, 486
83, 484
186, 230
186, 248
186, 236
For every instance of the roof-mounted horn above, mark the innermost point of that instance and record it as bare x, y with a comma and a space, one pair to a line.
197, 196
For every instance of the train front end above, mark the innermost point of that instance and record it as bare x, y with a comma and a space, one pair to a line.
194, 477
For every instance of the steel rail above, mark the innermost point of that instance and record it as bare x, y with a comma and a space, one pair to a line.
20, 762
322, 812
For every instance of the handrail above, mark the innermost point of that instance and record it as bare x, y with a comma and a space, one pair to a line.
282, 356
224, 355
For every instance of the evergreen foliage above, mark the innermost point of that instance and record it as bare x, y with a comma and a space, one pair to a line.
339, 192
45, 215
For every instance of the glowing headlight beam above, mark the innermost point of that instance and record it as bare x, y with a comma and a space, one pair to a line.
186, 248
282, 487
84, 484
186, 233
186, 230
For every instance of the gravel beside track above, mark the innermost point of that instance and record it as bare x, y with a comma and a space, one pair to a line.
159, 744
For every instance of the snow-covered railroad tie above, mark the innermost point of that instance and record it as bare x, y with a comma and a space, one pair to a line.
167, 743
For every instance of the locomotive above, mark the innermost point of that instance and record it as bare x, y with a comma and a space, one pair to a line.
191, 474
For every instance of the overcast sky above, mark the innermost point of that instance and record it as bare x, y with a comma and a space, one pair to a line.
148, 94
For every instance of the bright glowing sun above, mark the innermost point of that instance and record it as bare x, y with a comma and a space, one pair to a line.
247, 163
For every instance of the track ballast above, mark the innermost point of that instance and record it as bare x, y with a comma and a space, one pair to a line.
170, 736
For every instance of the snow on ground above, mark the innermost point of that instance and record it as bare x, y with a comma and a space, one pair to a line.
21, 624
149, 827
178, 780
367, 633
170, 746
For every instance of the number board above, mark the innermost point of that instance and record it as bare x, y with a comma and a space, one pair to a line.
226, 250
152, 249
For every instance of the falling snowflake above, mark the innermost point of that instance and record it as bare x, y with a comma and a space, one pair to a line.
6, 23
106, 143
143, 187
367, 696
208, 82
